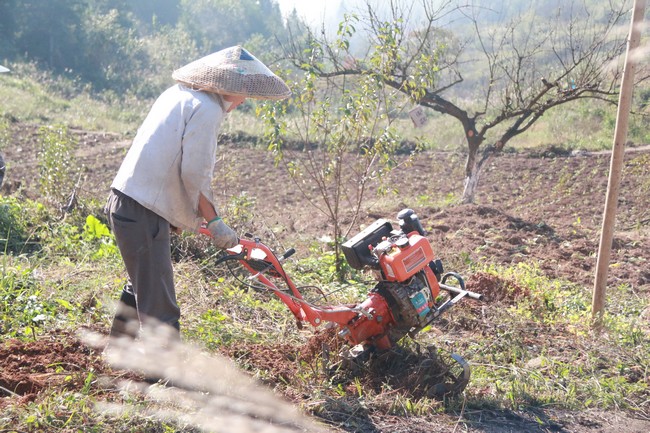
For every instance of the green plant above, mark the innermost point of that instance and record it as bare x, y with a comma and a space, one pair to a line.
521, 369
210, 329
19, 225
638, 168
347, 140
99, 235
5, 132
23, 308
92, 241
58, 167
240, 211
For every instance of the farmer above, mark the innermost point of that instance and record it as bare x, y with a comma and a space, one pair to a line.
164, 182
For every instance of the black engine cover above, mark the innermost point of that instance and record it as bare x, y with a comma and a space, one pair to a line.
402, 299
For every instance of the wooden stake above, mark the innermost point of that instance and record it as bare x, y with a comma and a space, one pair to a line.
616, 168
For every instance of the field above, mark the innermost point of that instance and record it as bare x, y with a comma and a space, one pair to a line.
528, 244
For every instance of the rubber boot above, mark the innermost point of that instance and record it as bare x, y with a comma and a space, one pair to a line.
125, 322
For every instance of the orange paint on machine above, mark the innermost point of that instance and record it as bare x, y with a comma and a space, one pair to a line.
404, 257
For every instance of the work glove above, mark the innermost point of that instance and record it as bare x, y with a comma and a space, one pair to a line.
222, 235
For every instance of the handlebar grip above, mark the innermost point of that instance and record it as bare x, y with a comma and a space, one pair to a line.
288, 253
409, 222
459, 291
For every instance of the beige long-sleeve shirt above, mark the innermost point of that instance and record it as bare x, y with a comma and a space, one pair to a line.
171, 160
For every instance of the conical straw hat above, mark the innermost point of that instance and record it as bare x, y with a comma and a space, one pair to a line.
3, 69
233, 71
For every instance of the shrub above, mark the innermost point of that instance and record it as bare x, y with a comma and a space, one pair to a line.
17, 233
58, 169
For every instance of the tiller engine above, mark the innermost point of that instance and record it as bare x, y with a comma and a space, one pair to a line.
408, 296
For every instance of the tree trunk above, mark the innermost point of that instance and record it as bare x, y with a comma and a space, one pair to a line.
472, 168
471, 182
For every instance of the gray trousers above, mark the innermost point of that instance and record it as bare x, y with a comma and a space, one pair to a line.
143, 238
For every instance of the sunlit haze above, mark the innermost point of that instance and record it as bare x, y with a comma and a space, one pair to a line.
312, 11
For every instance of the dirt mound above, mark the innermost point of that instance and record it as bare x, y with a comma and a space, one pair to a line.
495, 289
60, 361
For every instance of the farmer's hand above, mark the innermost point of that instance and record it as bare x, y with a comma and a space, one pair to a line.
222, 235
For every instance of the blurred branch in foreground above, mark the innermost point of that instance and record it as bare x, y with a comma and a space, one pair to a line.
208, 392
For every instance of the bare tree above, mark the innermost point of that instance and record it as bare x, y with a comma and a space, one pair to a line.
336, 140
526, 66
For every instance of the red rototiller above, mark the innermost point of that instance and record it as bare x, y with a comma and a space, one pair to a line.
405, 299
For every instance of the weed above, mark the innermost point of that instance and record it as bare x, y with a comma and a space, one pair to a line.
98, 234
5, 132
18, 225
638, 168
319, 281
22, 307
63, 411
445, 201
59, 171
240, 210
211, 329
92, 241
570, 367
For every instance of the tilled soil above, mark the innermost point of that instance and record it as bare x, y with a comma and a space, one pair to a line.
544, 208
